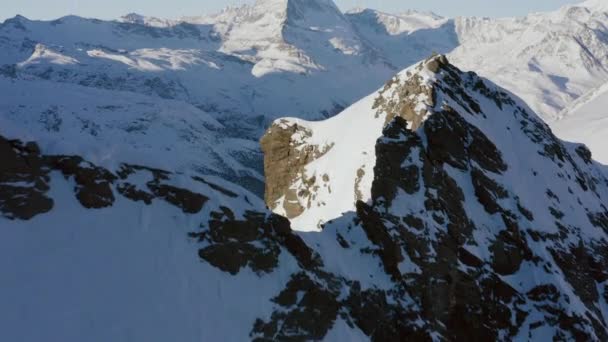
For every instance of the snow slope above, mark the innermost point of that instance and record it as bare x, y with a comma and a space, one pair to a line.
586, 121
405, 38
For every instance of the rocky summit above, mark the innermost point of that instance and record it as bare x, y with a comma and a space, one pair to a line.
439, 208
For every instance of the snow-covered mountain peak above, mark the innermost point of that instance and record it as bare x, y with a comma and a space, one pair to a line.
297, 5
286, 11
314, 175
585, 13
396, 24
18, 22
133, 18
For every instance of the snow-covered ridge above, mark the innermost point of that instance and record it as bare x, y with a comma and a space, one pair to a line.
273, 51
337, 170
134, 18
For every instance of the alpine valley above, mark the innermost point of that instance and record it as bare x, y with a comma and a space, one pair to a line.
286, 171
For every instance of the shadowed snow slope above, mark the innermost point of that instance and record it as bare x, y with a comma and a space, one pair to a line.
327, 173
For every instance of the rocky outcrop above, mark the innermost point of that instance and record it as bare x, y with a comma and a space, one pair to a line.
25, 177
286, 154
23, 181
401, 98
413, 95
254, 241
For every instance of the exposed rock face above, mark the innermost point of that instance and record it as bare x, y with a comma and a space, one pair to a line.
285, 156
24, 183
93, 188
401, 98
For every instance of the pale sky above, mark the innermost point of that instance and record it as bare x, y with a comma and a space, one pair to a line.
111, 9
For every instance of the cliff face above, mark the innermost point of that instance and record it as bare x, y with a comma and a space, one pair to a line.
285, 158
480, 258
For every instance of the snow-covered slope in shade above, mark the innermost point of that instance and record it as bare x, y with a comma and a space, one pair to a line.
107, 126
395, 24
109, 253
548, 59
134, 18
405, 38
586, 121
